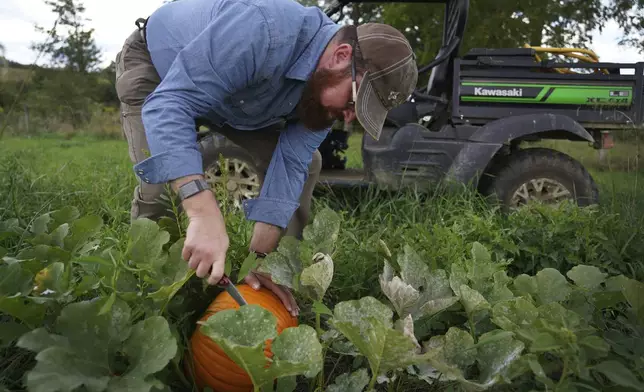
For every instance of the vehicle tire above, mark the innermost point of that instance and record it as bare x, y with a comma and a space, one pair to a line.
244, 180
541, 174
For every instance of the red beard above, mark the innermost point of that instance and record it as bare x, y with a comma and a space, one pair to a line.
309, 110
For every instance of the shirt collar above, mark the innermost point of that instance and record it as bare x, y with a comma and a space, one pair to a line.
306, 63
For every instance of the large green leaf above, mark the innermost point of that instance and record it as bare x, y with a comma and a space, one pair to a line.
587, 276
242, 334
145, 247
84, 350
552, 286
418, 291
350, 382
323, 232
284, 265
318, 276
367, 324
497, 351
619, 374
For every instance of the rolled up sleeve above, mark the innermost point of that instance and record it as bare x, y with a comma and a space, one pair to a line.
221, 60
285, 177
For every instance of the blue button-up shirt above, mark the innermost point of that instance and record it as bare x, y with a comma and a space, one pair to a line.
238, 62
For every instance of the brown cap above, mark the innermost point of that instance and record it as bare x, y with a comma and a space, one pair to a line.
391, 74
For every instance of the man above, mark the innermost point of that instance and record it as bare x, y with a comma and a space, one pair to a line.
246, 66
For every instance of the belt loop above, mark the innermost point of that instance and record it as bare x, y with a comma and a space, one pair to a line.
141, 24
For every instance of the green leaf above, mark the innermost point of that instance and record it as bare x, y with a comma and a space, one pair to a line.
497, 351
586, 276
83, 346
544, 342
250, 262
323, 232
242, 333
367, 324
422, 296
474, 303
350, 382
146, 241
149, 348
455, 349
14, 279
515, 315
82, 230
284, 265
10, 331
296, 350
525, 285
320, 307
27, 310
318, 276
552, 286
413, 269
40, 224
595, 346
619, 374
402, 296
286, 384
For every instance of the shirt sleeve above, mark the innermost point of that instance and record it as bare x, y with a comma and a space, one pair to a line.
202, 74
285, 177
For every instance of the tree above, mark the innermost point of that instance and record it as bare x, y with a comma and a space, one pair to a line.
629, 15
75, 48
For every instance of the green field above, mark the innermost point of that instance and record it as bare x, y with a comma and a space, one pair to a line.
505, 306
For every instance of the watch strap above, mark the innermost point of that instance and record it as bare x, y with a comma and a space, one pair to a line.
191, 188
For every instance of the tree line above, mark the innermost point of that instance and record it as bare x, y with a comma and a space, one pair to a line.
72, 87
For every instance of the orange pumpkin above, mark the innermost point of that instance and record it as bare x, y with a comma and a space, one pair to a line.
210, 364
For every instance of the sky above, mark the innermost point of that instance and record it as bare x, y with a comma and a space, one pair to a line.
113, 21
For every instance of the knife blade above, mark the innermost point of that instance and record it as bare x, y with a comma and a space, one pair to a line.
226, 283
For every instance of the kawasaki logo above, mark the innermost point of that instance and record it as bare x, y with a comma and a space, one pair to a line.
498, 92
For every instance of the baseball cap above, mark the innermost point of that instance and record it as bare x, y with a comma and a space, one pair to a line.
390, 77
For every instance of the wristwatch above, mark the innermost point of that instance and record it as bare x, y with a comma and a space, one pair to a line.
192, 188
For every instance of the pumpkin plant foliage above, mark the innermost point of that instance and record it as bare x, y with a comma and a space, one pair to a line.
107, 312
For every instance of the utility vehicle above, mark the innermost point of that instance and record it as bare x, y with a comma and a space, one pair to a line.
467, 125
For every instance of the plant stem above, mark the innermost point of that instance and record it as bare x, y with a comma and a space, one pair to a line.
563, 373
372, 383
318, 328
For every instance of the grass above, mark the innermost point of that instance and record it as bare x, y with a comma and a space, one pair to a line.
47, 173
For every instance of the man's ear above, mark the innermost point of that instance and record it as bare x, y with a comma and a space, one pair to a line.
341, 56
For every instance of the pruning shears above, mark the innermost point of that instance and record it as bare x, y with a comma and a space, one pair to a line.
230, 287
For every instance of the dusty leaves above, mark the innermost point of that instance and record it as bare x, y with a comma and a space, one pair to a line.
82, 350
306, 266
318, 276
367, 324
350, 382
242, 334
418, 291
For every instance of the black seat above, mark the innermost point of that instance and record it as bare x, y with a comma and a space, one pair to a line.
439, 87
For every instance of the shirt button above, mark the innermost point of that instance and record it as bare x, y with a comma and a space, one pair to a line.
146, 180
242, 101
140, 171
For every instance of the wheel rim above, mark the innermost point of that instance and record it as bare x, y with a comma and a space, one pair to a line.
242, 181
543, 190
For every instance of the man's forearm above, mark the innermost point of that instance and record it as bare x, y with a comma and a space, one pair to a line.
265, 237
201, 204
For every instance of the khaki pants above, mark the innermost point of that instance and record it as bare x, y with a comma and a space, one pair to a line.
136, 78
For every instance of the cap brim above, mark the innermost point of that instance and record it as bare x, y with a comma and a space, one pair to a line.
369, 110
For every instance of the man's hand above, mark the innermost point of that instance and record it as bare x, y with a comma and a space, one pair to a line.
206, 238
265, 240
